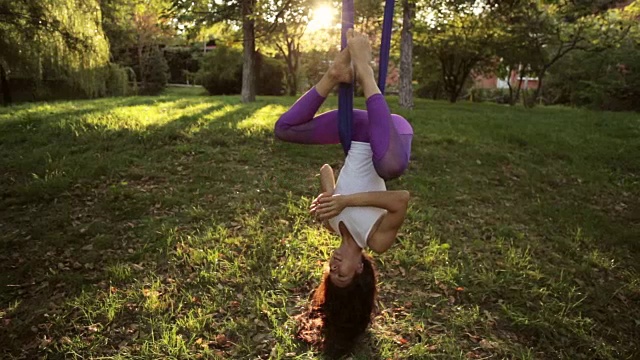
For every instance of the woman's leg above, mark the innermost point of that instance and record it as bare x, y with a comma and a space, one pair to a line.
390, 136
298, 124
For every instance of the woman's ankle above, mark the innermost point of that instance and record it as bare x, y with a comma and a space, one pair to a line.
325, 85
364, 74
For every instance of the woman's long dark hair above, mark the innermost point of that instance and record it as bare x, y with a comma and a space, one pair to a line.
339, 316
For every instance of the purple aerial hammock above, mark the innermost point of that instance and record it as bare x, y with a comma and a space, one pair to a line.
345, 97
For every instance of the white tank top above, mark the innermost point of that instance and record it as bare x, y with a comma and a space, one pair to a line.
358, 175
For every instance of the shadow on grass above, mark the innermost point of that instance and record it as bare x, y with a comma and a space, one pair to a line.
83, 200
160, 233
539, 269
190, 237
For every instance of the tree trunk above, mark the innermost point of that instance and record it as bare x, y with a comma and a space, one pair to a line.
460, 85
454, 82
248, 92
448, 81
511, 99
406, 55
4, 85
293, 86
453, 97
292, 81
520, 79
296, 66
436, 91
143, 82
539, 89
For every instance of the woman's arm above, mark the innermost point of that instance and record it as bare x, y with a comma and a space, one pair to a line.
385, 234
327, 179
327, 205
395, 202
392, 201
328, 186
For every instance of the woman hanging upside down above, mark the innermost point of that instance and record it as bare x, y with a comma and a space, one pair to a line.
358, 207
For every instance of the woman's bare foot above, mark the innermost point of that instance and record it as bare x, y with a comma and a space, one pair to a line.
341, 70
360, 51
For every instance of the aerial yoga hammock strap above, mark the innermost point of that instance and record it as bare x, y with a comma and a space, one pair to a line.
345, 96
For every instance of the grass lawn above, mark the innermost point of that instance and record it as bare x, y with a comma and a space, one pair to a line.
177, 227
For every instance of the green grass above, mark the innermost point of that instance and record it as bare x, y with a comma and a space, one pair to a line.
176, 227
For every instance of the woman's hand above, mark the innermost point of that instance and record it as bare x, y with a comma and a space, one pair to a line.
327, 206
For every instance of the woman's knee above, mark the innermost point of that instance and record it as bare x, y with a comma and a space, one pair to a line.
280, 128
391, 170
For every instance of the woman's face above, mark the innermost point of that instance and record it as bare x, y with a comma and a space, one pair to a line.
343, 268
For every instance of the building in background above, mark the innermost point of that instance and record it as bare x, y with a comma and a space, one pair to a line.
495, 82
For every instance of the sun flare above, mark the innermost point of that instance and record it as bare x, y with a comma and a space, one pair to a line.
322, 18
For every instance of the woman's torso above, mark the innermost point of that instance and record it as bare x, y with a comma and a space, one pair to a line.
358, 175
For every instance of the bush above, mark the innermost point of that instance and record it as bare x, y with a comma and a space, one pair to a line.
116, 83
108, 80
500, 96
607, 80
156, 74
221, 73
182, 62
270, 77
431, 90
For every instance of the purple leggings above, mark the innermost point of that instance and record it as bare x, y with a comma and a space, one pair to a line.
389, 135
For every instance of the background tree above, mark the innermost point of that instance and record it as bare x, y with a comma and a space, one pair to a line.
150, 31
201, 13
156, 74
607, 79
543, 32
285, 33
59, 39
461, 35
512, 45
118, 25
406, 55
248, 92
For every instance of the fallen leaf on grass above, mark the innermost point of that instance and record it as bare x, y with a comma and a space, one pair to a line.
45, 341
473, 338
486, 344
148, 292
221, 339
92, 328
400, 340
408, 304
